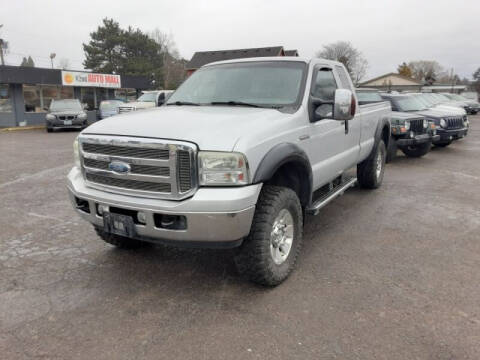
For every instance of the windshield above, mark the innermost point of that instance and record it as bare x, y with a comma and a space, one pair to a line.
425, 100
148, 97
456, 97
365, 97
266, 84
441, 98
110, 105
65, 105
408, 103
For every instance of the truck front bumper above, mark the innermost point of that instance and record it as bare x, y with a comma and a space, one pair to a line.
215, 217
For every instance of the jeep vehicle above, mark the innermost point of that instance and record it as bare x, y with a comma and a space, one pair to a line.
411, 133
449, 127
236, 158
148, 99
470, 106
65, 114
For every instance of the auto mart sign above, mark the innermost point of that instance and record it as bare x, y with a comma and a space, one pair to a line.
78, 78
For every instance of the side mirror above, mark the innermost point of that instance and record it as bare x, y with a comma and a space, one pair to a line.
344, 106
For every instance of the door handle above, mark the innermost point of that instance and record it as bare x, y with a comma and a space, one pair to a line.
304, 137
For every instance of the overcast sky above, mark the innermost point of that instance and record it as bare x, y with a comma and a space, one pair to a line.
387, 32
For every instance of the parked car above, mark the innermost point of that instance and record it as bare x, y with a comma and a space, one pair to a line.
437, 102
471, 95
148, 99
411, 133
65, 114
109, 108
237, 157
449, 127
471, 106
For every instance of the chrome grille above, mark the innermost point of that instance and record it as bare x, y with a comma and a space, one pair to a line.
154, 168
417, 126
124, 109
135, 169
125, 151
184, 170
129, 184
454, 122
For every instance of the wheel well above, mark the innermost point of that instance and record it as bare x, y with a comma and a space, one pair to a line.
295, 176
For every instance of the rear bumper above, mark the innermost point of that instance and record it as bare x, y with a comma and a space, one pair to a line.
215, 217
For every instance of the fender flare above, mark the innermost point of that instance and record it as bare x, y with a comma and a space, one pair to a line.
384, 121
280, 155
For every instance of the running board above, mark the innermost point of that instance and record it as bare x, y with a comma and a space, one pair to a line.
336, 191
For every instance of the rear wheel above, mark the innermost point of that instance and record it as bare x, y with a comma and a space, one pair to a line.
370, 171
119, 241
268, 255
417, 150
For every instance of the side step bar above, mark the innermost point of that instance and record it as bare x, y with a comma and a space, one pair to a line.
338, 190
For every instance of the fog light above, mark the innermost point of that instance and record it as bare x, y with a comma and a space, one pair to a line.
101, 209
142, 217
412, 134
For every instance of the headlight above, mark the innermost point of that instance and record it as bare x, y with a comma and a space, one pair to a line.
407, 125
443, 123
222, 168
425, 123
50, 117
76, 154
82, 116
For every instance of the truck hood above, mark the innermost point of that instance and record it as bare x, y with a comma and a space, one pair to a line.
210, 127
436, 113
139, 104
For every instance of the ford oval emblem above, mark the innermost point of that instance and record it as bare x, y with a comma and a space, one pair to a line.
119, 167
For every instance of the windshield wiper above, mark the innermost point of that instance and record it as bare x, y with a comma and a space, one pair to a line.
235, 103
179, 103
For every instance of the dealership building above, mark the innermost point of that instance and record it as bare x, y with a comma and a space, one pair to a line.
26, 92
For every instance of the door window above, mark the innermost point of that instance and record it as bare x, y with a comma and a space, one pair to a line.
324, 88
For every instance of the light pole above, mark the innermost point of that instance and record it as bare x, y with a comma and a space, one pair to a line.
52, 56
1, 48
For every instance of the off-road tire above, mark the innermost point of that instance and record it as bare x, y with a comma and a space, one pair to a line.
443, 144
119, 241
391, 150
253, 259
417, 150
367, 169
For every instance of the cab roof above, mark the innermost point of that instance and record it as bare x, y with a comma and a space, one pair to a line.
279, 59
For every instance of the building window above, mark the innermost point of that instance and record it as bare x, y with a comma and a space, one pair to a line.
5, 101
32, 98
49, 93
87, 96
66, 92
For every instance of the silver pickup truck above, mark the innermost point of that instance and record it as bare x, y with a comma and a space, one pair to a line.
236, 158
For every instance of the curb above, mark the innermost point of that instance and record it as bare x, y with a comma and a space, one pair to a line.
19, 128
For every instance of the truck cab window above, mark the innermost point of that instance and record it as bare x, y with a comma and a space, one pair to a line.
325, 85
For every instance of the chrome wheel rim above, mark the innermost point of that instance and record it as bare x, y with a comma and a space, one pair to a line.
379, 164
281, 237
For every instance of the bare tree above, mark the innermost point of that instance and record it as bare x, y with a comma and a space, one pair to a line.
170, 56
348, 55
64, 63
427, 71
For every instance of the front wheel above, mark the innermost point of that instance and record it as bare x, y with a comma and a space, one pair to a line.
370, 171
417, 150
268, 255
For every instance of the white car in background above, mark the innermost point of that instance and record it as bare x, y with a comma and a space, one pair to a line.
148, 99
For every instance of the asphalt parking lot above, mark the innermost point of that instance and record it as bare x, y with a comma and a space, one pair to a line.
386, 274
